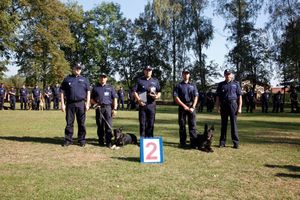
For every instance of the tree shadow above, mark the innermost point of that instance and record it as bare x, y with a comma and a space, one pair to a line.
291, 168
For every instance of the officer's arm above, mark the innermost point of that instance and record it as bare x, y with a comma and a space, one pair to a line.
195, 102
138, 99
180, 103
62, 100
218, 104
88, 99
240, 102
115, 104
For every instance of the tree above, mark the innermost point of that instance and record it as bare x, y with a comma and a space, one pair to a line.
284, 24
43, 34
238, 15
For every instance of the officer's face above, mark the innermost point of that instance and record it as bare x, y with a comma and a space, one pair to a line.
102, 80
186, 76
228, 77
148, 73
76, 71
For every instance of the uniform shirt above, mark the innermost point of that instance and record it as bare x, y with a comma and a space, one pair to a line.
36, 92
121, 94
48, 92
2, 92
75, 88
56, 91
250, 96
104, 94
144, 85
12, 93
23, 92
186, 92
265, 96
228, 91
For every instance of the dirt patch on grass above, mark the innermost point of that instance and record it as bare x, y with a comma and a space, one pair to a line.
49, 155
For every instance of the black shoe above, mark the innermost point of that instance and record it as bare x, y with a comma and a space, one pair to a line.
221, 145
82, 144
235, 146
108, 145
101, 144
66, 144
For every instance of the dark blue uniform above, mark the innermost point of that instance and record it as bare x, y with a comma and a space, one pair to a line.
104, 96
210, 101
186, 92
75, 90
2, 96
36, 98
23, 98
229, 93
147, 112
56, 97
250, 104
121, 95
12, 98
201, 101
294, 101
48, 97
265, 101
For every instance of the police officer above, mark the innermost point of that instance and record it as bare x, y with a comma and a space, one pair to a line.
201, 101
23, 92
56, 96
186, 96
2, 95
105, 98
121, 95
229, 103
36, 96
294, 101
12, 98
48, 97
277, 99
76, 89
146, 92
250, 101
265, 101
210, 101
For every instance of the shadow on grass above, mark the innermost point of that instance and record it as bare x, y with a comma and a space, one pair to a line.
46, 140
129, 159
291, 168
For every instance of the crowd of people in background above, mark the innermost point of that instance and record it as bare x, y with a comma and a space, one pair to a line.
31, 99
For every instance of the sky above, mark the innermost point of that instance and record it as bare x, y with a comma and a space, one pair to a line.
132, 9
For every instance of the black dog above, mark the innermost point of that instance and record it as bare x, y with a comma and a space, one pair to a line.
122, 139
204, 140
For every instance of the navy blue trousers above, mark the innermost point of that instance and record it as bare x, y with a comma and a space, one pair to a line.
191, 117
147, 119
229, 110
104, 124
75, 109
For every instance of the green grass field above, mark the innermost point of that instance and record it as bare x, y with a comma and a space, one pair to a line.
33, 165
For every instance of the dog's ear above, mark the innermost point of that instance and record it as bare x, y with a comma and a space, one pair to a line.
205, 127
212, 127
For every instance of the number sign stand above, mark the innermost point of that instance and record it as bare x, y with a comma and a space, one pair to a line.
151, 150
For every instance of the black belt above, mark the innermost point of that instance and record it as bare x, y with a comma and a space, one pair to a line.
229, 101
75, 101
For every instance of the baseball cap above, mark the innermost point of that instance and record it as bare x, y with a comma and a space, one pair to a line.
227, 71
103, 74
148, 67
78, 66
186, 71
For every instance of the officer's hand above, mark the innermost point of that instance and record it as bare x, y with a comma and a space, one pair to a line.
114, 113
87, 107
141, 103
239, 110
186, 108
154, 96
63, 108
192, 110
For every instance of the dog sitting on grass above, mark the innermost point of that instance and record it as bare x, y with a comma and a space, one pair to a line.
204, 140
122, 139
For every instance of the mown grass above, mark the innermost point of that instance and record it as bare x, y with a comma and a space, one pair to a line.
33, 165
